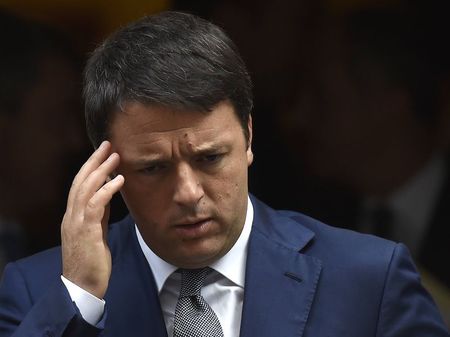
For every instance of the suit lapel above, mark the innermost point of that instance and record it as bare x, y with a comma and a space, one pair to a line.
133, 307
280, 281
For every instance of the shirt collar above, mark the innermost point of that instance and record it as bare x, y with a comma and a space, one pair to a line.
231, 265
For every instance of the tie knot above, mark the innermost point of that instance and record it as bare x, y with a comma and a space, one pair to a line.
192, 281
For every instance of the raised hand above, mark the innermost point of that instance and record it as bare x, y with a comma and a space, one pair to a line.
85, 252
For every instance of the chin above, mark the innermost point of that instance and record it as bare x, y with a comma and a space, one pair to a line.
198, 258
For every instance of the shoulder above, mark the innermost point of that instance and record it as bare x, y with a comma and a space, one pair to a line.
44, 268
330, 241
365, 276
337, 248
42, 265
294, 226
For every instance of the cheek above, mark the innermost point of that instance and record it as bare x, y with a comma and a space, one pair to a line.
141, 199
230, 188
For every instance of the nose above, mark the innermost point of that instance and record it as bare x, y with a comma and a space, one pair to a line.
187, 190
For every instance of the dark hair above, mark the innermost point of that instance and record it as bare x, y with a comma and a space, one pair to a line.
170, 59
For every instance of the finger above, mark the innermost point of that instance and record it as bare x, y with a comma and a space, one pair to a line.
95, 180
105, 221
98, 204
94, 161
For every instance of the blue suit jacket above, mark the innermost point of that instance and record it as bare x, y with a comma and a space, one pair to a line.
303, 278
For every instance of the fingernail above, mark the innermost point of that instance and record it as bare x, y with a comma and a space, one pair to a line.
111, 156
102, 145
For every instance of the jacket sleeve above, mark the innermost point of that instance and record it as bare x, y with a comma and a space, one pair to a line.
50, 314
407, 310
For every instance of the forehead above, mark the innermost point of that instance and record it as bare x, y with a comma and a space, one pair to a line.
138, 121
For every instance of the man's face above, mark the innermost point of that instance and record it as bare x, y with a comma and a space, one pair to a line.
185, 179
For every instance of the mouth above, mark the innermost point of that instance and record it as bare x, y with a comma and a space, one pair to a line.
192, 229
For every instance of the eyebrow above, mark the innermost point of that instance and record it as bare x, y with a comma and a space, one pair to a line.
148, 162
210, 147
202, 149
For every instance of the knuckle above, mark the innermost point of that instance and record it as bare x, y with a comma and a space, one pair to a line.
91, 205
106, 188
94, 210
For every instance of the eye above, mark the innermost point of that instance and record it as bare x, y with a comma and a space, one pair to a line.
153, 169
210, 158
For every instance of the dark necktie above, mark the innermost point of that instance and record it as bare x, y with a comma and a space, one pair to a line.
193, 316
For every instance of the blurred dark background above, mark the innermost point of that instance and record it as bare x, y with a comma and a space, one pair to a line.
351, 117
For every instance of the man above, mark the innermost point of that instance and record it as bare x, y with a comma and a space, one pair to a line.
172, 97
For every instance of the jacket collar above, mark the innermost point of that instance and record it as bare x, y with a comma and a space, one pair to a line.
132, 299
281, 279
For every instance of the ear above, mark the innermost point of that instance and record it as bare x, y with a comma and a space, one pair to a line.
249, 142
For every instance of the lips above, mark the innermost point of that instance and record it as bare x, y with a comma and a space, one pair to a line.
193, 228
191, 221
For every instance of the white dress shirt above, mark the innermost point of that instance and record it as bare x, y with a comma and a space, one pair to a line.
223, 289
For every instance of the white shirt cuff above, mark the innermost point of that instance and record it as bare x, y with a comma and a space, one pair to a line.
91, 307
